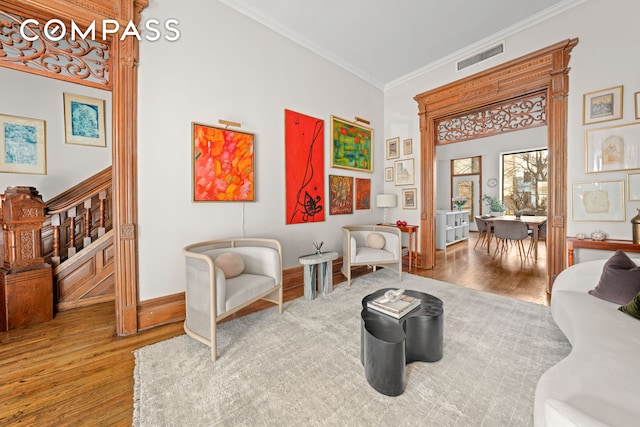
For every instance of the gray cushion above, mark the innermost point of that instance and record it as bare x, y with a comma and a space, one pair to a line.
619, 281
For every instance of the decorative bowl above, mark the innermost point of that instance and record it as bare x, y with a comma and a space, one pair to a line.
598, 235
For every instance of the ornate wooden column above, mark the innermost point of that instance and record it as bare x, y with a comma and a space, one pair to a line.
26, 281
125, 198
557, 131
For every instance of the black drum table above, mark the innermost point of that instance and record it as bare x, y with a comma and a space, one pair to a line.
387, 344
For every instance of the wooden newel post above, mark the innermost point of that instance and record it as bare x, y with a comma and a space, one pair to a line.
26, 281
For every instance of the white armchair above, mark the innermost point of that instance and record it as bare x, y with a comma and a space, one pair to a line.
374, 245
211, 295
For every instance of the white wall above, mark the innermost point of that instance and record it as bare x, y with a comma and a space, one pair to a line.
32, 96
226, 66
604, 57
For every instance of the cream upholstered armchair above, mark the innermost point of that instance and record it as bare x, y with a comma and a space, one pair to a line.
374, 245
224, 276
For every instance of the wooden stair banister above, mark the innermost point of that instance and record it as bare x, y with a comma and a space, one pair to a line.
71, 217
77, 241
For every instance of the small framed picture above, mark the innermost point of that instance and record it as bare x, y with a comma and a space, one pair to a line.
407, 146
636, 96
602, 105
84, 122
393, 148
404, 172
633, 185
22, 145
598, 201
409, 198
388, 174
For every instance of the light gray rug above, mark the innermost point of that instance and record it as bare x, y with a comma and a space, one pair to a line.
302, 368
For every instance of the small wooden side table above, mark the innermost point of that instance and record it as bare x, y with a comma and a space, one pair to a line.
413, 243
324, 273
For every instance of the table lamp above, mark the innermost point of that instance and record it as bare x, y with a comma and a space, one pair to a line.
386, 201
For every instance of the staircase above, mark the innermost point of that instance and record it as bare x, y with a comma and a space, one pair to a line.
77, 240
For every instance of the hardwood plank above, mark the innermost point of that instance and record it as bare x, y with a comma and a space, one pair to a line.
74, 370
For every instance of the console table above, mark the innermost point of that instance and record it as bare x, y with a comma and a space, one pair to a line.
603, 245
324, 273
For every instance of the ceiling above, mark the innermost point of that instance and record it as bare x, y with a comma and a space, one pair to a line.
383, 41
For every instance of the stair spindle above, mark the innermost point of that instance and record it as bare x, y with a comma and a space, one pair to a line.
103, 204
87, 223
55, 223
71, 214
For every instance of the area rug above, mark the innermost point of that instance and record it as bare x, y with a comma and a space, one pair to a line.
303, 367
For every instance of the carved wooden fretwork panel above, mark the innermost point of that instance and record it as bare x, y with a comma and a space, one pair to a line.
80, 61
509, 116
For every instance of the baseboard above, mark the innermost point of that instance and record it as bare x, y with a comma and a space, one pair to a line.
161, 311
171, 308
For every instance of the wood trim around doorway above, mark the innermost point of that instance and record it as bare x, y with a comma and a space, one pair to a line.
544, 71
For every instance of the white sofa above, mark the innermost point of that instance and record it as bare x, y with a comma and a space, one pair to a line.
598, 383
356, 251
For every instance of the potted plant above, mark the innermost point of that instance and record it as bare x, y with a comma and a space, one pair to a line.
519, 202
458, 202
496, 206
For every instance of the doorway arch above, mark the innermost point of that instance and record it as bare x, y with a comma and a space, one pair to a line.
544, 71
123, 63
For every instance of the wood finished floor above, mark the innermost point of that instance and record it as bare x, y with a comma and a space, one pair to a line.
75, 371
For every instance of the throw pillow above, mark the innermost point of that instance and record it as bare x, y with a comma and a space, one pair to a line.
375, 240
619, 281
230, 263
633, 308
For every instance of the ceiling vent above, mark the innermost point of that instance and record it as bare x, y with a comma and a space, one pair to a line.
479, 57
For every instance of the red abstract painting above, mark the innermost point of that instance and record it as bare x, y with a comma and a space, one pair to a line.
363, 193
222, 164
304, 168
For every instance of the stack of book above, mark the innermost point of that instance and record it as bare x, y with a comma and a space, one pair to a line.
394, 303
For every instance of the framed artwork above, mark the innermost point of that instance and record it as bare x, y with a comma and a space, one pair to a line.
613, 148
363, 193
340, 195
404, 172
388, 174
393, 148
304, 168
598, 201
409, 198
84, 122
352, 145
633, 185
22, 145
602, 106
223, 168
407, 145
636, 97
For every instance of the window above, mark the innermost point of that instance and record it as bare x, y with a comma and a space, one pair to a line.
466, 166
524, 181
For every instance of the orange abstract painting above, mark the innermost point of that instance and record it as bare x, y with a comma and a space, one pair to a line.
222, 164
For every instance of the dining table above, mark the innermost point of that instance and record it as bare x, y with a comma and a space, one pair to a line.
533, 223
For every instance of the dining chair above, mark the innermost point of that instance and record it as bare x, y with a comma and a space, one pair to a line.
542, 235
483, 231
507, 231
